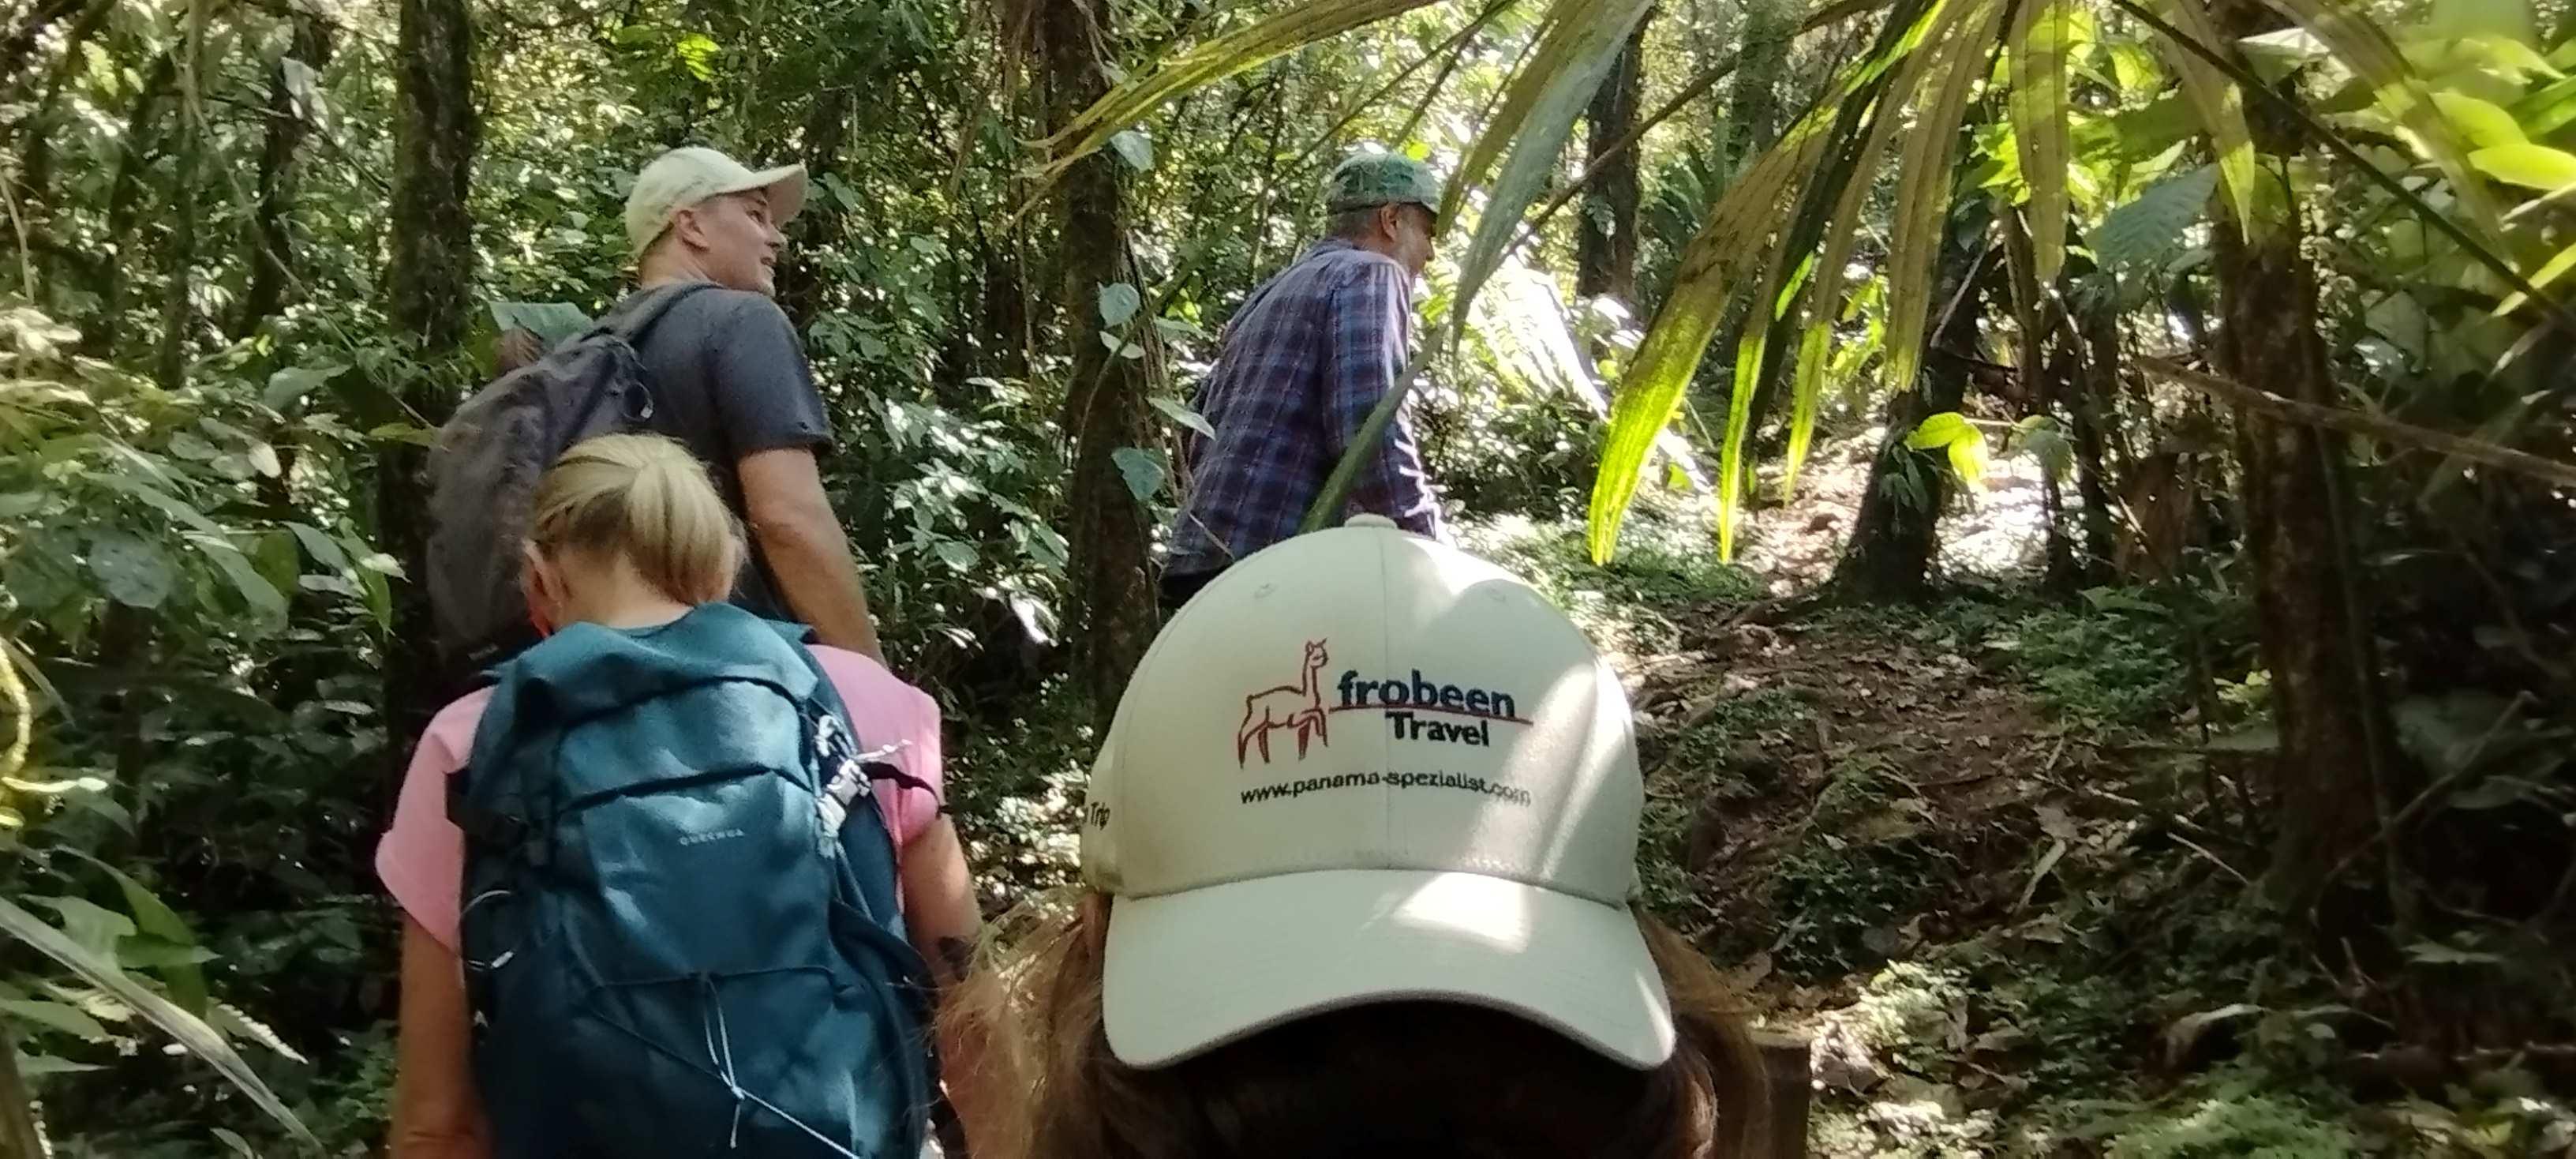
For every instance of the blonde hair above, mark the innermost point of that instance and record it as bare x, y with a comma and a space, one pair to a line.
645, 499
1416, 1072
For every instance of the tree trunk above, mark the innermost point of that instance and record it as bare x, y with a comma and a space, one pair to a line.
273, 244
2096, 393
1893, 538
36, 132
1105, 404
2315, 637
98, 339
430, 282
20, 43
1605, 241
2041, 366
1753, 96
827, 127
170, 355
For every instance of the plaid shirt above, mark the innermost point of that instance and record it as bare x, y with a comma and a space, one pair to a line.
1303, 362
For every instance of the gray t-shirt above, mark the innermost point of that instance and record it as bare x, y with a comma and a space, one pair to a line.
729, 380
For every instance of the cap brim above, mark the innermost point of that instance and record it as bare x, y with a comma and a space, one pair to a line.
786, 186
1187, 972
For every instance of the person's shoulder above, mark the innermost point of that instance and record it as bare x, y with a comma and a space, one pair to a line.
453, 727
1345, 266
724, 306
856, 676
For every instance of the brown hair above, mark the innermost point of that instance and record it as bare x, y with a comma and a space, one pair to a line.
646, 499
1413, 1078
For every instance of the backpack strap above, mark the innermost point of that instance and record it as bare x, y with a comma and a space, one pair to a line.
801, 638
650, 305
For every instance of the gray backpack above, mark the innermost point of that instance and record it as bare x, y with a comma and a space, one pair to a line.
484, 470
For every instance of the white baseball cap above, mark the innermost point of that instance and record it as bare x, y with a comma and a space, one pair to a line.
684, 177
1363, 766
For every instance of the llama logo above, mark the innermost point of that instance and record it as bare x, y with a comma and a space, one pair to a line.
1296, 707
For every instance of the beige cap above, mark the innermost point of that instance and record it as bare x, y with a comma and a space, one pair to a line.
1360, 767
684, 177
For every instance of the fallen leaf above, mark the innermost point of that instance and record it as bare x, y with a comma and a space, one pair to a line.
2187, 1032
2047, 861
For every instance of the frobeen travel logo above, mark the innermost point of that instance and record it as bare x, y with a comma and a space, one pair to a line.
1297, 708
1415, 707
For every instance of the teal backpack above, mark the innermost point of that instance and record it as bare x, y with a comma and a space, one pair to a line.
679, 926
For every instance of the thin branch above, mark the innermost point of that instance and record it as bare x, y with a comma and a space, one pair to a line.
2558, 314
2438, 789
2372, 426
1696, 88
1449, 49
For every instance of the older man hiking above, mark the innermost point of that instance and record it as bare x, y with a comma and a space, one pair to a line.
731, 383
1303, 362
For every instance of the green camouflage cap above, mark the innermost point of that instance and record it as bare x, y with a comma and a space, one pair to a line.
1372, 179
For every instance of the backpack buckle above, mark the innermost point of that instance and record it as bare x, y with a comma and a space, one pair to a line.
495, 830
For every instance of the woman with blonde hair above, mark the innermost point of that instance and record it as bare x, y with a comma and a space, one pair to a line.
646, 911
1359, 848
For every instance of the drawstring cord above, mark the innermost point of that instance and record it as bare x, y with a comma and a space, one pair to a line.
720, 1055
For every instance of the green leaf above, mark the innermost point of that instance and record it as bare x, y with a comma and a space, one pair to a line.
2149, 227
1118, 303
191, 1032
1842, 231
957, 554
324, 549
1941, 430
1142, 469
96, 928
1131, 99
2549, 271
1738, 235
235, 1024
2516, 60
418, 436
2041, 437
2548, 110
2528, 165
2038, 103
154, 917
2221, 109
1581, 42
40, 1065
131, 570
1181, 413
696, 52
1968, 459
2485, 125
552, 322
1807, 389
2438, 954
59, 1016
257, 593
1923, 190
1133, 147
288, 386
2361, 45
161, 501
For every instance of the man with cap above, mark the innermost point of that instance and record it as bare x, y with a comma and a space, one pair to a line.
1303, 363
730, 380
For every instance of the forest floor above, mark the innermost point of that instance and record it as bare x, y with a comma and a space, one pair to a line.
1980, 855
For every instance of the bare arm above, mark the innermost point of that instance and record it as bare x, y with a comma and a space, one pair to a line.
940, 913
436, 1112
801, 541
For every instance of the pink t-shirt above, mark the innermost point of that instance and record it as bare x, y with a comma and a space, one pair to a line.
422, 858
